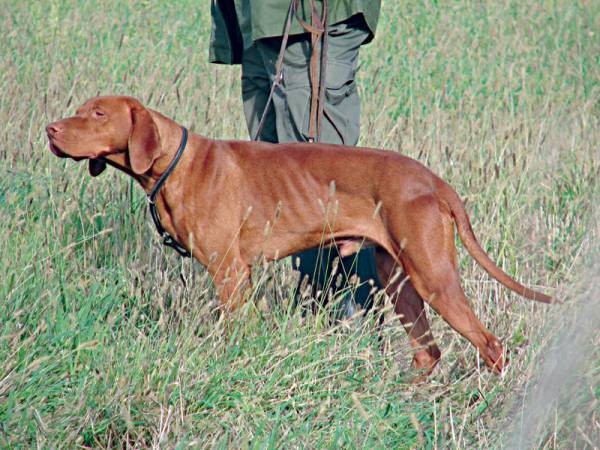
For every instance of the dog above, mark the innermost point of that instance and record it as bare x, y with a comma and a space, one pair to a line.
229, 203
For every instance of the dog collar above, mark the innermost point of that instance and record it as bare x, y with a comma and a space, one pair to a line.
167, 239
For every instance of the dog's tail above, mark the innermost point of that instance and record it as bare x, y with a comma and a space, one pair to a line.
467, 237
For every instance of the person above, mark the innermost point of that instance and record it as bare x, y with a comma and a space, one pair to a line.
250, 33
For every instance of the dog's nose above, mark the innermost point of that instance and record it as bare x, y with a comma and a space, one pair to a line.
54, 128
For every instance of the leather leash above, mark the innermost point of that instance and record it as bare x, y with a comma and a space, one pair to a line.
167, 239
318, 31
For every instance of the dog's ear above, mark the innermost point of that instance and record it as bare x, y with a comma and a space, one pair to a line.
96, 167
144, 141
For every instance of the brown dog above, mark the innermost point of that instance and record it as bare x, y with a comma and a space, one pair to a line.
231, 202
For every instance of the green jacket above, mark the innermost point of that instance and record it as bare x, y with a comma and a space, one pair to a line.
236, 24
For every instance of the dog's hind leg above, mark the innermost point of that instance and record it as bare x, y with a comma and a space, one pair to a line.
409, 306
429, 257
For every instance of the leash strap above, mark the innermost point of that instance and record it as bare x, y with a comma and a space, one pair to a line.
167, 239
323, 72
318, 31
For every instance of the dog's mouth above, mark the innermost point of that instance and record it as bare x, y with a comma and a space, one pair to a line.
57, 150
96, 166
61, 153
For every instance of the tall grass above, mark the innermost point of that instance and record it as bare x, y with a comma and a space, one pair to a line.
107, 340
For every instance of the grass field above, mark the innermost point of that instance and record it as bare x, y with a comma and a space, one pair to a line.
107, 340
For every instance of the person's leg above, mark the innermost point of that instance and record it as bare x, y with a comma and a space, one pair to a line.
256, 85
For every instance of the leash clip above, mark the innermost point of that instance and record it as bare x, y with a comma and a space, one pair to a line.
167, 239
170, 242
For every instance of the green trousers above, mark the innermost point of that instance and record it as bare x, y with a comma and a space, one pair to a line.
288, 121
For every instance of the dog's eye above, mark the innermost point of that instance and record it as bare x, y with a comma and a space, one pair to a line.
97, 113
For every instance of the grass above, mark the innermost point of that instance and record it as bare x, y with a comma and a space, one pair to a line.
107, 340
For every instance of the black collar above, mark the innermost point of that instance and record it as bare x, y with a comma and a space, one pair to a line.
168, 240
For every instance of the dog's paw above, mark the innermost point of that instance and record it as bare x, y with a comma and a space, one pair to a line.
493, 355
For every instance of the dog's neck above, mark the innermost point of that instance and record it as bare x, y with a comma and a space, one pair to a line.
170, 138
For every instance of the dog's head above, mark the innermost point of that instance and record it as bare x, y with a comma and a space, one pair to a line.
120, 129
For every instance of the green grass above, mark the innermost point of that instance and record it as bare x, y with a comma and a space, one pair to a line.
107, 340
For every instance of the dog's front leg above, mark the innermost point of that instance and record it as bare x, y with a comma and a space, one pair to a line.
232, 280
